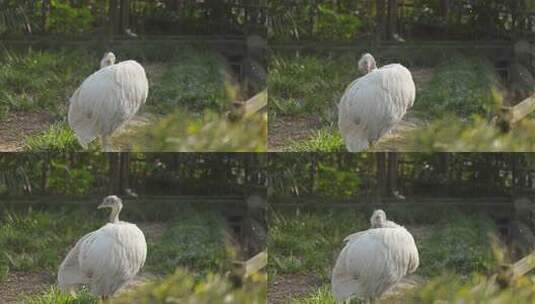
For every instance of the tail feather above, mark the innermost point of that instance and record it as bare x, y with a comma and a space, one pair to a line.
69, 274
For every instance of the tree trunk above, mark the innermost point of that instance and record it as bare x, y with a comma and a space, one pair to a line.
392, 18
393, 161
381, 174
380, 20
114, 174
125, 15
113, 24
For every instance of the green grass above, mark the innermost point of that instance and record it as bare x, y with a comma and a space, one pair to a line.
39, 240
194, 80
308, 85
194, 241
42, 79
59, 137
323, 140
321, 295
462, 245
307, 243
462, 87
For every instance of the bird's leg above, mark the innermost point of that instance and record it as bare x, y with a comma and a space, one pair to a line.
104, 299
106, 146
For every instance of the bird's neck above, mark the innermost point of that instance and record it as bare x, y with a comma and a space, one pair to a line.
114, 215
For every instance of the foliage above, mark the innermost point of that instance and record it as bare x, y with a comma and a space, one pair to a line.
55, 296
323, 140
308, 84
478, 289
314, 20
58, 138
462, 87
210, 132
194, 241
308, 242
66, 19
475, 135
182, 288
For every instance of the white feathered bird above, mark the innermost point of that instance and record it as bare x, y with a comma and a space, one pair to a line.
374, 103
105, 259
374, 260
107, 99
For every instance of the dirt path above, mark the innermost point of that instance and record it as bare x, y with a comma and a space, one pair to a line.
285, 130
19, 124
289, 286
19, 284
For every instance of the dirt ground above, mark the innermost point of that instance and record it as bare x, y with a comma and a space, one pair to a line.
19, 124
19, 284
284, 130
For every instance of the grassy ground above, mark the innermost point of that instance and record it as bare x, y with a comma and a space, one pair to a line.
304, 91
184, 85
33, 244
304, 246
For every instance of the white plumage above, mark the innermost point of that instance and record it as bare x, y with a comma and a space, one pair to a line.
374, 103
105, 259
373, 261
107, 99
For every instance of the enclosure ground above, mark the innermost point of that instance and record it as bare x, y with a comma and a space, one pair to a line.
283, 131
290, 286
19, 284
19, 124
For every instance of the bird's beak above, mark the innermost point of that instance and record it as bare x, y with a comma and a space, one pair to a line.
101, 206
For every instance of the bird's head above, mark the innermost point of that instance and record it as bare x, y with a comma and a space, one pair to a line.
378, 219
112, 202
367, 63
107, 60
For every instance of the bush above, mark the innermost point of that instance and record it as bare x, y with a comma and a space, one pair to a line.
182, 288
452, 134
209, 132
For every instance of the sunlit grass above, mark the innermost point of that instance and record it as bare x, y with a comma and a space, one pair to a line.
54, 296
59, 137
323, 140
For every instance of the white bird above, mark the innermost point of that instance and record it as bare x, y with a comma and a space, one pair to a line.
374, 103
105, 259
107, 99
373, 261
